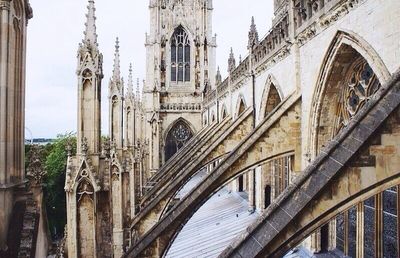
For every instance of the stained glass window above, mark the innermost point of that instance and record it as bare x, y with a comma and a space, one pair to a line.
340, 229
390, 248
352, 231
369, 228
176, 138
180, 56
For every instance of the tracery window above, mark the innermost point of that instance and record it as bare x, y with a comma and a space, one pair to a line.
176, 138
360, 84
180, 56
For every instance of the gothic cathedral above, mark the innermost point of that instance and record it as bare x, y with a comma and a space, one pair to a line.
106, 179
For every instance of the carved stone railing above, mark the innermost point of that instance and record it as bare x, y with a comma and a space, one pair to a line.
269, 46
180, 106
310, 20
307, 11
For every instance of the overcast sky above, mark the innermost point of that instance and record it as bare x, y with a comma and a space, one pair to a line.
57, 28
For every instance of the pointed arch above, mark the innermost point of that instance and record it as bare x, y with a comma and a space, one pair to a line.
272, 96
347, 53
180, 55
240, 105
213, 118
177, 135
85, 218
224, 112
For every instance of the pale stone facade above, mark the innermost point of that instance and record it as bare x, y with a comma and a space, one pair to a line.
256, 131
14, 16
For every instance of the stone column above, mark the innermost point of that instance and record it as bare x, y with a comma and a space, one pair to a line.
4, 46
6, 194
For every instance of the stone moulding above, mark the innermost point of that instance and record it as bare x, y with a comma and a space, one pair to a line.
325, 21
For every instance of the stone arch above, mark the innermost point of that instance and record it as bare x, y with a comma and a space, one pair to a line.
178, 133
213, 118
86, 240
224, 112
180, 45
272, 96
350, 74
240, 105
342, 55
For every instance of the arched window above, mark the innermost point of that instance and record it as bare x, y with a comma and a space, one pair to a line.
176, 138
180, 56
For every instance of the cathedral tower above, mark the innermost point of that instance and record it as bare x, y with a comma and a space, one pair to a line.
180, 65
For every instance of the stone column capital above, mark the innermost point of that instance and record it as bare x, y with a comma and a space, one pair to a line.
5, 5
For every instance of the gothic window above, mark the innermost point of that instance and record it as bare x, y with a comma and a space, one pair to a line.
376, 214
281, 170
176, 138
273, 100
242, 107
360, 84
180, 56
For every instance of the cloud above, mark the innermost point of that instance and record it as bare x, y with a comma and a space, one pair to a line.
57, 28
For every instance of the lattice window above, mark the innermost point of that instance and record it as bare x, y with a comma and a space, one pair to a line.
180, 56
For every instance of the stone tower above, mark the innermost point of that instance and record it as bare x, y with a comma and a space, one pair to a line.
90, 74
14, 16
116, 99
180, 65
83, 184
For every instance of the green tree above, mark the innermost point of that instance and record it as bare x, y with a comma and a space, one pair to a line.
55, 157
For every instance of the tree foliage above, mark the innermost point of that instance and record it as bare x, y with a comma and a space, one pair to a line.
55, 158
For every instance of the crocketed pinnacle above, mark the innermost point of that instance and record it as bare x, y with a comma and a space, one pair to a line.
130, 81
218, 77
117, 63
231, 61
253, 34
90, 31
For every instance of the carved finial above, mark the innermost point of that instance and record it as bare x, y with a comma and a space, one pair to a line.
106, 147
253, 35
113, 146
84, 146
137, 89
90, 31
117, 63
68, 147
130, 81
35, 170
218, 77
231, 62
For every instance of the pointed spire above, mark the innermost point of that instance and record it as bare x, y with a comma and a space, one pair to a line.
90, 31
253, 35
130, 82
231, 62
137, 86
218, 77
117, 65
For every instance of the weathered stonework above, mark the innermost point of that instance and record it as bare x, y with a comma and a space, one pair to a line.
272, 125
